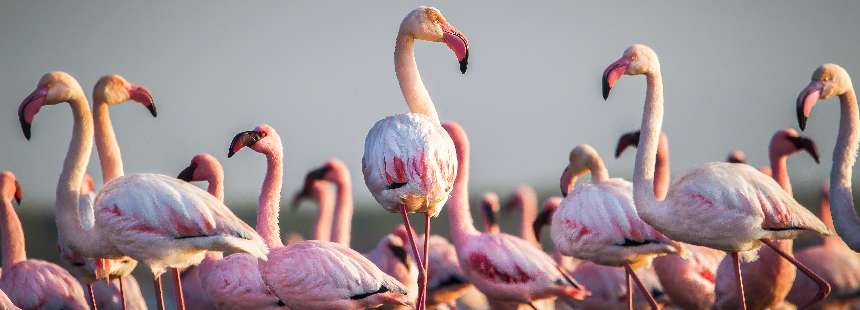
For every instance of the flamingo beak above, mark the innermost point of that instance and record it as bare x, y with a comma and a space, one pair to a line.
489, 213
458, 43
627, 139
19, 194
29, 107
310, 178
142, 95
243, 139
807, 99
806, 144
566, 184
187, 174
612, 74
544, 218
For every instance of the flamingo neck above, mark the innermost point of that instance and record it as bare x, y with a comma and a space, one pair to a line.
107, 147
343, 209
416, 95
827, 218
779, 171
459, 215
597, 169
842, 203
216, 185
646, 155
662, 170
268, 205
528, 213
11, 235
322, 225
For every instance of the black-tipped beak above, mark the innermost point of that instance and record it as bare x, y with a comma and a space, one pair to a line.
399, 253
187, 174
489, 214
19, 194
544, 218
243, 139
606, 88
152, 110
612, 74
627, 139
464, 63
25, 126
801, 118
806, 144
806, 100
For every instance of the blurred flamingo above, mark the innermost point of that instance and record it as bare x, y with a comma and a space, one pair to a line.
524, 199
490, 207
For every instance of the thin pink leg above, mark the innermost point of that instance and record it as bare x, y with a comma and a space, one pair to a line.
739, 278
122, 293
426, 265
177, 284
415, 252
642, 288
629, 282
159, 295
92, 297
823, 286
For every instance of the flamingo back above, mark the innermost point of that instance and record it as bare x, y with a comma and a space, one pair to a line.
598, 222
108, 294
445, 279
37, 284
689, 282
235, 282
838, 265
409, 160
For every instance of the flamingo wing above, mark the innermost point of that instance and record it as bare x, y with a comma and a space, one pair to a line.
37, 284
235, 282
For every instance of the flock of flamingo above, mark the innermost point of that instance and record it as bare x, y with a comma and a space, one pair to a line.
718, 236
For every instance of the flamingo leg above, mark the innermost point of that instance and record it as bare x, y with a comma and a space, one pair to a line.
642, 288
629, 282
177, 284
415, 252
743, 299
159, 295
823, 286
92, 297
122, 293
426, 258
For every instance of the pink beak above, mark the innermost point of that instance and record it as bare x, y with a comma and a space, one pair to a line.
807, 99
458, 43
29, 107
566, 184
612, 74
142, 95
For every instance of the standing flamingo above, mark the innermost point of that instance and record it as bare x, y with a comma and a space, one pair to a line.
505, 268
409, 162
598, 222
725, 206
835, 262
773, 275
525, 200
308, 274
831, 80
689, 281
320, 193
158, 220
489, 208
30, 283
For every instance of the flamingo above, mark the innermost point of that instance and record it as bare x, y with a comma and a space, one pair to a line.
598, 222
607, 284
409, 162
735, 156
203, 167
835, 262
725, 206
30, 283
155, 219
310, 274
689, 282
319, 192
773, 275
524, 199
489, 207
503, 267
831, 80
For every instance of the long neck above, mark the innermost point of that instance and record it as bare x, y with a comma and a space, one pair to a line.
269, 204
322, 225
842, 203
779, 170
11, 235
528, 213
662, 170
216, 184
827, 218
343, 210
459, 215
652, 121
417, 97
110, 157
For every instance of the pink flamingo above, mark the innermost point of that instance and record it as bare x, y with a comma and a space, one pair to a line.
739, 157
689, 282
155, 219
835, 262
409, 162
831, 80
773, 275
504, 267
308, 274
725, 206
30, 283
489, 208
320, 193
525, 200
598, 222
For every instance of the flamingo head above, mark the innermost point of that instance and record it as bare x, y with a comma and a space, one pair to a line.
521, 196
737, 157
580, 161
637, 59
828, 80
114, 89
428, 23
9, 187
53, 88
203, 167
313, 188
788, 141
545, 216
626, 140
263, 139
489, 207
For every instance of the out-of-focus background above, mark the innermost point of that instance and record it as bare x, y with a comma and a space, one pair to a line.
321, 73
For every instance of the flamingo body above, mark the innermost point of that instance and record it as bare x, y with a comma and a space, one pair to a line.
37, 284
390, 255
108, 294
690, 281
446, 281
234, 283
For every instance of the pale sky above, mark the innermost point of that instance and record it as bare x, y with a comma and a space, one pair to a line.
322, 72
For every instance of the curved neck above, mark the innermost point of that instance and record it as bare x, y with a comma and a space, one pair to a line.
842, 203
269, 204
11, 235
416, 95
662, 170
652, 121
827, 218
216, 184
322, 225
343, 209
779, 170
528, 213
459, 215
110, 157
597, 169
